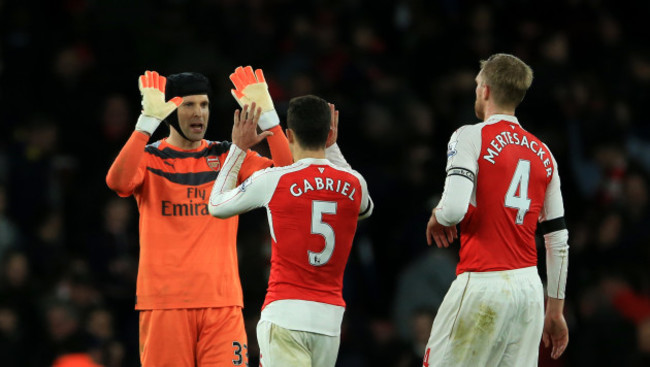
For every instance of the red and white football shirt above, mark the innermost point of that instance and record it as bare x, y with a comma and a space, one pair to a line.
516, 185
313, 207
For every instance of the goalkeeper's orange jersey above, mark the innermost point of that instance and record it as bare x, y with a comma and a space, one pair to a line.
188, 259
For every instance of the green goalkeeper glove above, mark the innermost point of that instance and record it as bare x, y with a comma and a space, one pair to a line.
251, 87
154, 107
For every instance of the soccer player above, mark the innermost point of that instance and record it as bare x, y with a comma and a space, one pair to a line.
502, 182
313, 207
188, 289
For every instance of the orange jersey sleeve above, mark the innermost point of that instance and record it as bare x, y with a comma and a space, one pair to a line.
252, 163
126, 173
279, 147
280, 153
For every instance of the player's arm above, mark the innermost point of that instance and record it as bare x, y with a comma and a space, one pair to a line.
333, 154
451, 208
456, 195
279, 147
226, 199
367, 206
124, 174
251, 86
462, 165
556, 237
332, 151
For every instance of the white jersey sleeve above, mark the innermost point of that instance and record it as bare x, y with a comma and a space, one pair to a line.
462, 167
553, 204
226, 200
333, 154
464, 148
556, 237
367, 206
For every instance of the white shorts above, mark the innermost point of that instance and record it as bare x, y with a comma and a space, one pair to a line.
280, 347
489, 319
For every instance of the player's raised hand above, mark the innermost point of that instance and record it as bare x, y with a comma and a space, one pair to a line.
244, 129
438, 233
334, 126
250, 86
154, 108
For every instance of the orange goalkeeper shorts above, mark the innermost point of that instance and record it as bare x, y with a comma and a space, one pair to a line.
198, 337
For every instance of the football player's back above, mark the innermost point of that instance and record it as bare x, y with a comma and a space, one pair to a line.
514, 170
314, 214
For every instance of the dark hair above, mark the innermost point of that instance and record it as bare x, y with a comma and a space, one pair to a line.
309, 117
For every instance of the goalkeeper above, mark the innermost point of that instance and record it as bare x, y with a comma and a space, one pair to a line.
188, 292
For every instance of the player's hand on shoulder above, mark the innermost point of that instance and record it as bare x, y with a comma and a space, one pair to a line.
244, 130
154, 108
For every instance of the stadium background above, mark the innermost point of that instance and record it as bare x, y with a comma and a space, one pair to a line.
402, 75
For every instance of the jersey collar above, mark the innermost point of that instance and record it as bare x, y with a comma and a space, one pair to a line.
164, 144
500, 117
319, 161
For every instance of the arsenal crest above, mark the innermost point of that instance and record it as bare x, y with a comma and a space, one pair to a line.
213, 163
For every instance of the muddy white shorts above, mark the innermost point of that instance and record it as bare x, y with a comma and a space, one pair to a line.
489, 319
280, 347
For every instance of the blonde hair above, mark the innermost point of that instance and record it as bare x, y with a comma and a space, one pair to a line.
508, 77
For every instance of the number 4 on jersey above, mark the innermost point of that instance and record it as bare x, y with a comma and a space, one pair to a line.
519, 181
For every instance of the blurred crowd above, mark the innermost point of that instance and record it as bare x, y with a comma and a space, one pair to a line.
402, 74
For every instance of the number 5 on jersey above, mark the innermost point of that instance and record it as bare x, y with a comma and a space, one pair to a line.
519, 180
318, 208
